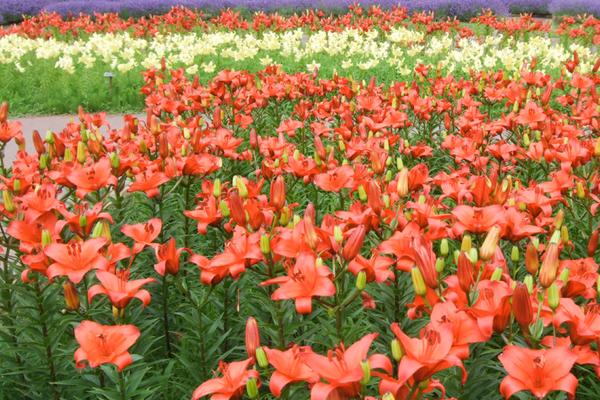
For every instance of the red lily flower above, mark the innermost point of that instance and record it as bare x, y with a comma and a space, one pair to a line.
243, 250
289, 367
335, 179
230, 385
143, 234
75, 259
342, 369
90, 216
91, 178
148, 182
377, 268
206, 213
101, 344
167, 255
476, 219
531, 114
584, 324
539, 371
304, 280
40, 201
492, 305
423, 357
120, 289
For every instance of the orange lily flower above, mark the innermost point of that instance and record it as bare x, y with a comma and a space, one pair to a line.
101, 344
539, 371
304, 281
143, 234
119, 288
230, 385
75, 259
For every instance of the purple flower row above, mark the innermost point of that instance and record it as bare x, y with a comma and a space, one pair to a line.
12, 10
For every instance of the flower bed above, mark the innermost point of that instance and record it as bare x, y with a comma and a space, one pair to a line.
51, 65
286, 235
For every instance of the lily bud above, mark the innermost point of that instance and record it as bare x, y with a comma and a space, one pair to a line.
532, 262
361, 280
388, 396
553, 296
115, 161
374, 196
44, 161
402, 185
338, 235
261, 358
236, 207
252, 388
580, 190
564, 234
252, 338
397, 352
550, 263
217, 187
440, 264
521, 306
465, 245
81, 156
514, 254
97, 231
593, 243
558, 219
277, 193
49, 137
83, 221
46, 238
366, 370
265, 245
38, 143
224, 208
9, 205
564, 275
496, 275
444, 248
3, 112
17, 185
399, 163
284, 216
528, 281
362, 194
71, 296
473, 255
104, 230
354, 242
464, 272
418, 281
241, 187
488, 248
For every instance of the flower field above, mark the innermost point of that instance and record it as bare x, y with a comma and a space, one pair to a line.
376, 204
52, 65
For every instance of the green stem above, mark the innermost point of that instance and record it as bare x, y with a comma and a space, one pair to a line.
47, 344
397, 296
122, 390
165, 298
280, 327
226, 315
9, 307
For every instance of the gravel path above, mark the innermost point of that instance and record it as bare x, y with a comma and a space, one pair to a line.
54, 123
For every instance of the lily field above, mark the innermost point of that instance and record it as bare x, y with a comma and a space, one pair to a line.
377, 204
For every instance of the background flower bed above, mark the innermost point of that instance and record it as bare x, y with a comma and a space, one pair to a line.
12, 10
52, 65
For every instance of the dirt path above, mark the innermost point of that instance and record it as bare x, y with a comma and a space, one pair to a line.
54, 123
